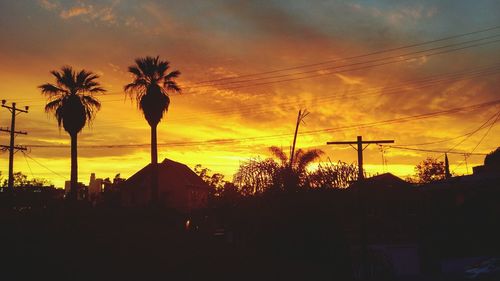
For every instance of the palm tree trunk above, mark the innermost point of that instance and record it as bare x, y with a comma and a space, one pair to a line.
73, 195
154, 164
154, 148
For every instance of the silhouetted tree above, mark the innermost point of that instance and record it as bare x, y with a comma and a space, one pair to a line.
255, 176
21, 180
150, 87
152, 82
293, 174
493, 158
215, 181
333, 175
430, 170
72, 101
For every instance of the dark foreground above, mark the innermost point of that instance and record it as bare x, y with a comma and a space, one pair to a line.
76, 243
303, 236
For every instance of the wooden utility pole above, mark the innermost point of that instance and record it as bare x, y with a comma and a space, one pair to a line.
359, 142
13, 133
362, 198
300, 118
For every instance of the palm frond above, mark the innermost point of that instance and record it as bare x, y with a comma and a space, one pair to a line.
279, 153
68, 78
91, 106
96, 90
307, 158
151, 72
51, 90
136, 71
73, 89
171, 85
55, 107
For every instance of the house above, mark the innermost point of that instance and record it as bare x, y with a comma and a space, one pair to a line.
179, 187
388, 222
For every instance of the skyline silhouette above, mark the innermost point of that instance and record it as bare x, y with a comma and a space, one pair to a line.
236, 104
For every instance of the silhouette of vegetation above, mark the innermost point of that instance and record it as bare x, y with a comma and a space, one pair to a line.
152, 82
430, 170
255, 175
294, 174
333, 175
215, 181
71, 99
493, 158
21, 180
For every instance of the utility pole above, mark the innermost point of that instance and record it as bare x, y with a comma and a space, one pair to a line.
359, 142
14, 110
300, 118
447, 173
362, 198
466, 156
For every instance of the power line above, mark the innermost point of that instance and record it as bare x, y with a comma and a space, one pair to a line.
355, 69
398, 58
354, 57
473, 132
430, 150
47, 168
450, 139
421, 83
483, 125
480, 141
28, 164
311, 132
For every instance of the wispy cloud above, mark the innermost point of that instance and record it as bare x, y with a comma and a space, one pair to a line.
48, 5
75, 11
87, 12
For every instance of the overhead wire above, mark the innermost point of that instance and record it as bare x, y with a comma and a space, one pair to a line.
451, 150
355, 56
396, 88
42, 165
479, 142
399, 57
392, 59
311, 132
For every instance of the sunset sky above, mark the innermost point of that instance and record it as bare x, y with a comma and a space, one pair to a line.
349, 63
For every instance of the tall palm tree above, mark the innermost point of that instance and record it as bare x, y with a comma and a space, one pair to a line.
294, 172
72, 101
151, 85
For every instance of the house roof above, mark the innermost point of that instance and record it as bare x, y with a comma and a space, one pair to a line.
170, 173
386, 180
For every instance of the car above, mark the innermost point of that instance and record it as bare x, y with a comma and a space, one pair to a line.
484, 270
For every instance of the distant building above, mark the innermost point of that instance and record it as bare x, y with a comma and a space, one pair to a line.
179, 187
82, 190
95, 188
491, 167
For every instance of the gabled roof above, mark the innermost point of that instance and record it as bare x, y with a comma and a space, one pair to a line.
389, 180
386, 180
170, 173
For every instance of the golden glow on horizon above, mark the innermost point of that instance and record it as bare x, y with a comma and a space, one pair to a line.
218, 113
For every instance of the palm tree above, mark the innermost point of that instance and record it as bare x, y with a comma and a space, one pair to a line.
72, 101
151, 85
294, 172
